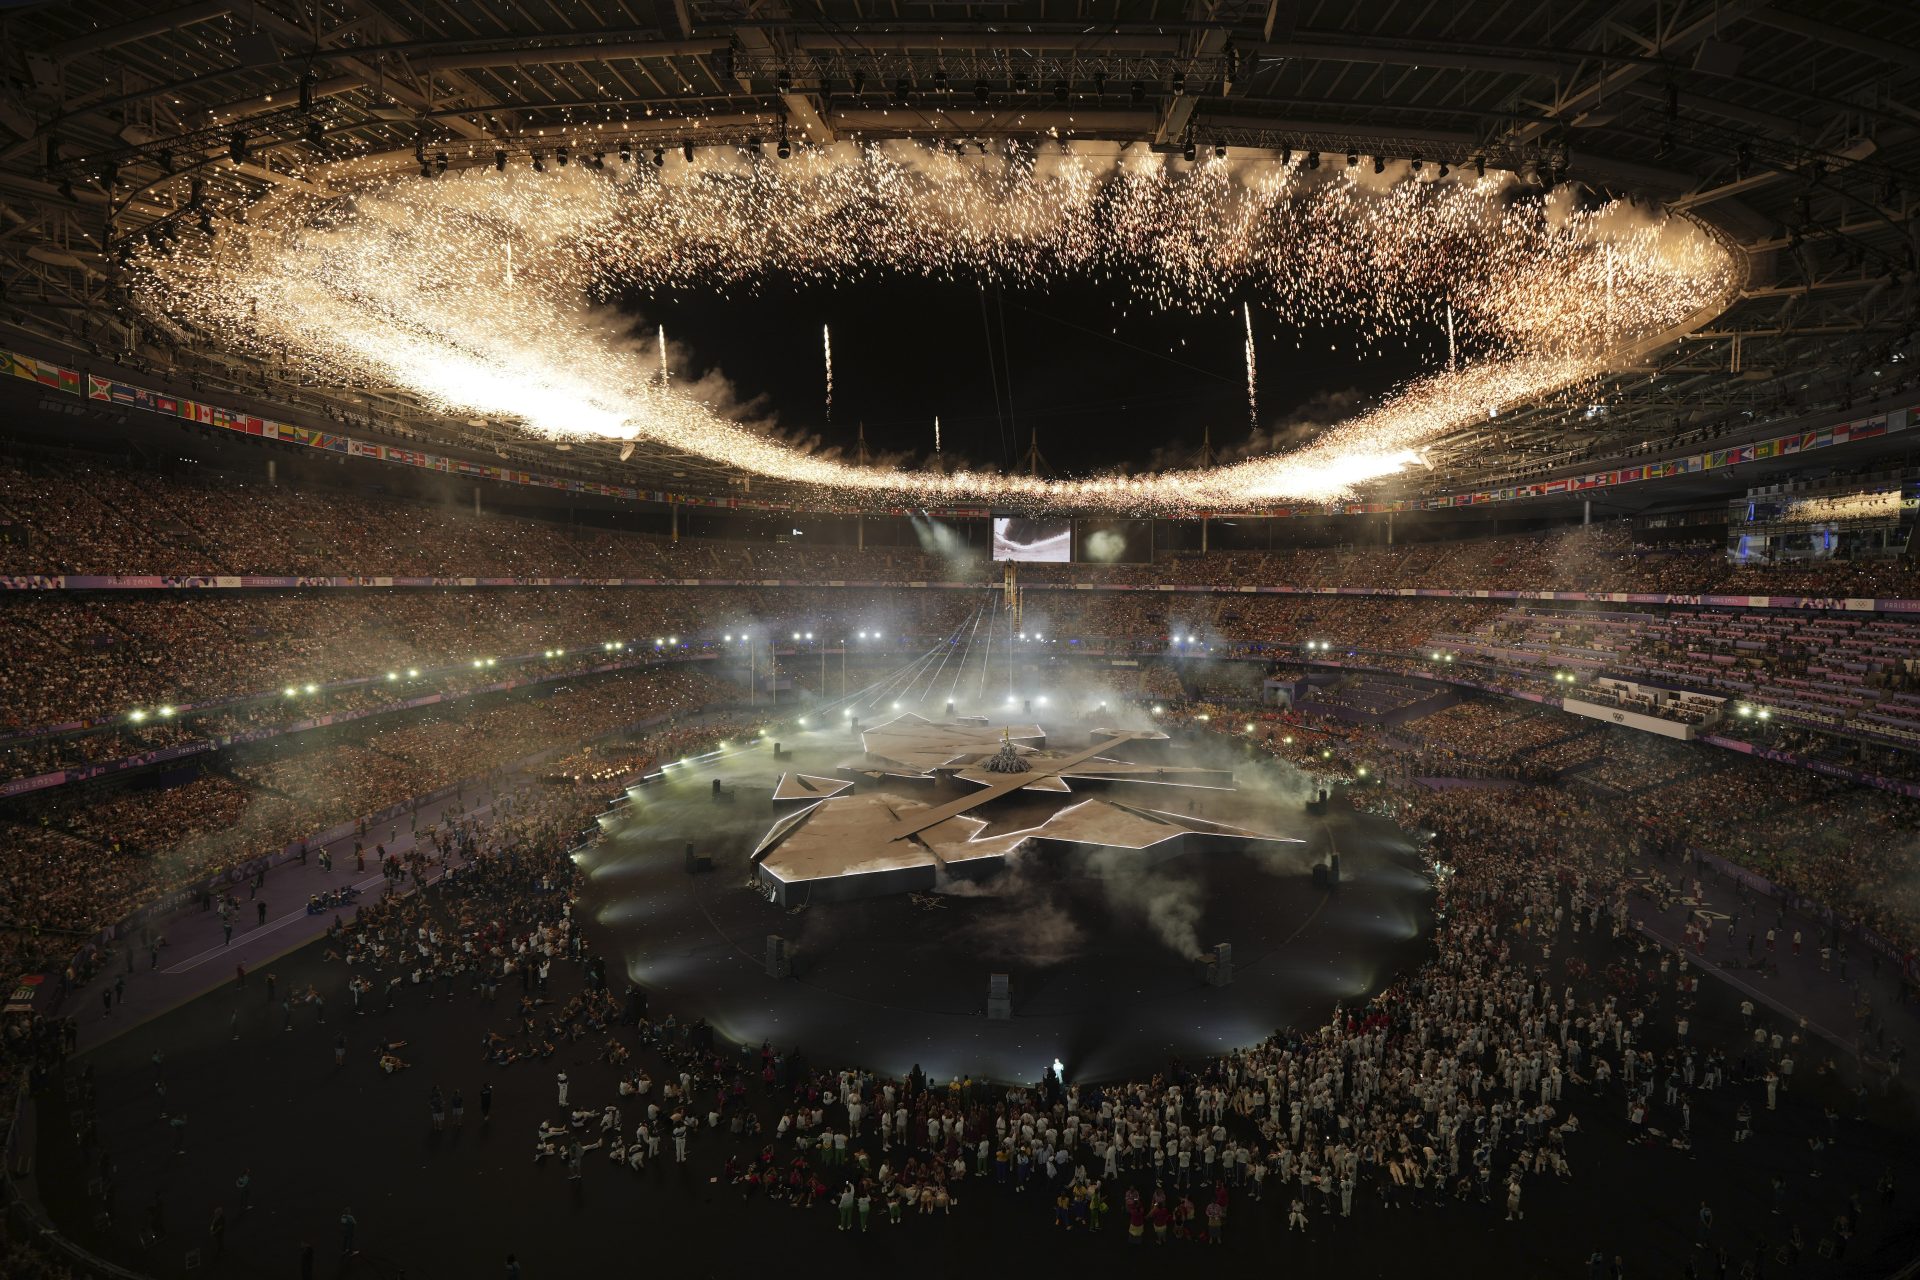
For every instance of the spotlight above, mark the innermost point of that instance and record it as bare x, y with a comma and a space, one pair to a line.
660, 157
1179, 82
1444, 170
137, 715
499, 161
426, 170
902, 91
440, 161
166, 713
560, 154
1188, 152
290, 691
686, 150
237, 148
1219, 151
1138, 92
316, 134
539, 165
940, 82
413, 673
1414, 161
1021, 82
626, 153
1353, 159
393, 675
1379, 164
1100, 83
1313, 159
980, 92
785, 149
1059, 90
1479, 166
783, 83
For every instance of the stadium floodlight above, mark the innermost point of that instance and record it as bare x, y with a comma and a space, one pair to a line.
393, 675
802, 722
848, 713
1363, 771
1765, 714
1287, 741
1158, 709
896, 706
166, 713
493, 662
1246, 728
312, 688
728, 639
672, 640
413, 673
796, 635
809, 635
137, 715
1203, 716
477, 664
657, 642
291, 691
1744, 709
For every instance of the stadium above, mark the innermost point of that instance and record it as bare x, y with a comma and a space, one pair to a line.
1251, 635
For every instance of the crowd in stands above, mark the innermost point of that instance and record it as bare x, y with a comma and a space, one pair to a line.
80, 861
94, 517
1848, 848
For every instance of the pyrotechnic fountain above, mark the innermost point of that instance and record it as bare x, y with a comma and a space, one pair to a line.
365, 277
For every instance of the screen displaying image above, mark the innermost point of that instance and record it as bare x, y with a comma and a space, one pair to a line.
1111, 542
1047, 541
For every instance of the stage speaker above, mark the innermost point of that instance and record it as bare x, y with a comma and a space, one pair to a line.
1319, 875
999, 1001
1028, 705
949, 707
1205, 968
779, 957
1333, 869
1222, 975
697, 861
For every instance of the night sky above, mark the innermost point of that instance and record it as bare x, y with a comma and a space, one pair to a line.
905, 349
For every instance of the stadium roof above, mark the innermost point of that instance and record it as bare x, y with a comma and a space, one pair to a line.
1788, 126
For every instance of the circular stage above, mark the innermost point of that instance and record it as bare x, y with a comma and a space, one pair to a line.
1101, 946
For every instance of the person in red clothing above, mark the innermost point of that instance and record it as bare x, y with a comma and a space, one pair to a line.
1136, 1217
1160, 1218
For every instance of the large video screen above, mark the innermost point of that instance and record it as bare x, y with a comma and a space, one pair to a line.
1111, 542
1044, 541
